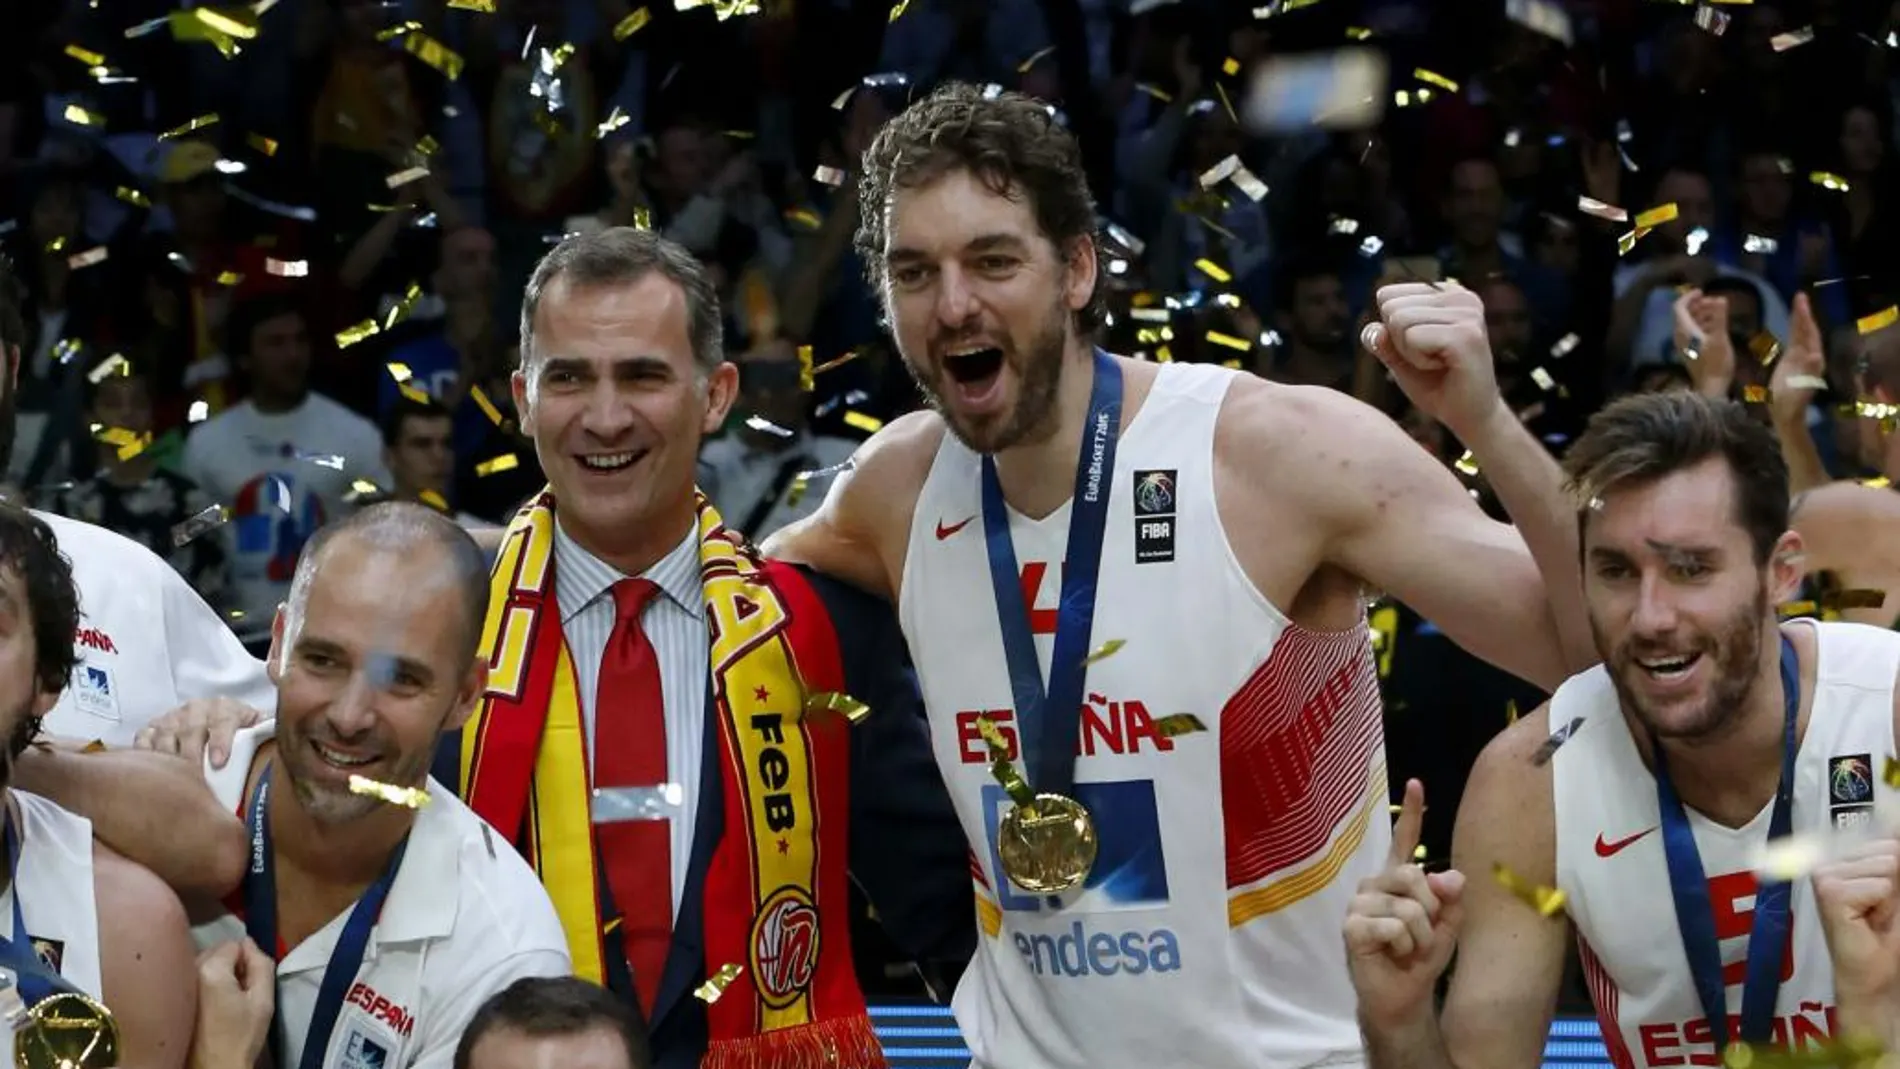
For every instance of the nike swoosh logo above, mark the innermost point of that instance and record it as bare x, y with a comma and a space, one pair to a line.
1612, 849
944, 532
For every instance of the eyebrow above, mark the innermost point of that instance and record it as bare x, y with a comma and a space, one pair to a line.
979, 244
575, 365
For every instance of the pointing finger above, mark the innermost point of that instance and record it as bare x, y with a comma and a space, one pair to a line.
1411, 825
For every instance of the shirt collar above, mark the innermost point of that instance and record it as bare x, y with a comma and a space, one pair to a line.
413, 911
580, 577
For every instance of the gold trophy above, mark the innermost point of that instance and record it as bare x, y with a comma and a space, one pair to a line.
1047, 842
64, 1031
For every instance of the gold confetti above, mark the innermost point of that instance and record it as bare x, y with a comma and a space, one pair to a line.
111, 365
79, 116
837, 361
806, 372
414, 393
435, 501
128, 442
1829, 181
434, 53
1434, 78
1105, 650
1358, 33
1547, 901
716, 984
87, 258
632, 24
189, 125
407, 797
1627, 241
404, 177
1548, 748
56, 244
133, 197
1213, 270
1764, 347
1755, 395
1418, 853
1467, 464
1880, 320
480, 7
504, 462
615, 120
1175, 725
349, 336
261, 143
1781, 42
229, 278
899, 9
95, 746
1025, 65
1890, 773
1657, 216
796, 492
1592, 207
844, 705
90, 59
488, 407
862, 421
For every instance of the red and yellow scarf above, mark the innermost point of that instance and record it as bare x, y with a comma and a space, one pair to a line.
780, 866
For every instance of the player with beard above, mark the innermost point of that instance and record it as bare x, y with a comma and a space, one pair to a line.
1647, 788
79, 918
390, 925
1213, 532
147, 641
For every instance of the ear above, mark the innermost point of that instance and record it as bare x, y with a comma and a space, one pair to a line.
524, 412
722, 388
474, 683
1787, 566
273, 660
1078, 278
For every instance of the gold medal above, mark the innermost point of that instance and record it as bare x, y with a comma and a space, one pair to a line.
67, 1031
1047, 845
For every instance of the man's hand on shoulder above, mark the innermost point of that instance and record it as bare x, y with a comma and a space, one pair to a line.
860, 532
146, 960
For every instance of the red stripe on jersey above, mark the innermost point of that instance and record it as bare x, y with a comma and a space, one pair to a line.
1296, 740
1603, 996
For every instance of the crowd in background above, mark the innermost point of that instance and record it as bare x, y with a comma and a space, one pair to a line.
276, 273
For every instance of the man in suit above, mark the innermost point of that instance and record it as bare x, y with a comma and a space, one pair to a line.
667, 733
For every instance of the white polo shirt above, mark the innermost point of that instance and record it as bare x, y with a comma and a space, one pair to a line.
146, 644
465, 918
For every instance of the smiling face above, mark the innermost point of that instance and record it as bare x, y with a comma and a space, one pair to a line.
982, 305
618, 407
370, 664
1680, 607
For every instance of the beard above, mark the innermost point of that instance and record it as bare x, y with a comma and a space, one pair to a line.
1028, 420
329, 804
1734, 654
25, 730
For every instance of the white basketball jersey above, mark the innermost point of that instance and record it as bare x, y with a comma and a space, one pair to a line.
55, 889
1611, 869
1208, 932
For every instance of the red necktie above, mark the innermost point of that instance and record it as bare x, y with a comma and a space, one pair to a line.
630, 751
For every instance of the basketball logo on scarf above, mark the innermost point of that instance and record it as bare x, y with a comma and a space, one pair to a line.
785, 947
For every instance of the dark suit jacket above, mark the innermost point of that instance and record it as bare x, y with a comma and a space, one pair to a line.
908, 853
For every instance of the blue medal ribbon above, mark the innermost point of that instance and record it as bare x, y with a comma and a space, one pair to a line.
36, 982
1689, 885
1052, 717
260, 921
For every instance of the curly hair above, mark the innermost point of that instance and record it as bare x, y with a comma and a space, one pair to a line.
28, 547
1010, 142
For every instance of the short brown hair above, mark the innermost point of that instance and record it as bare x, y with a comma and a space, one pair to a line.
1010, 142
623, 254
1644, 437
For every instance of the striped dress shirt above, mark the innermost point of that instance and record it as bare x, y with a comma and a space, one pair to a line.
675, 622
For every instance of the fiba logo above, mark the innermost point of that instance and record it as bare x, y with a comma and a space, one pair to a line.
785, 947
1154, 492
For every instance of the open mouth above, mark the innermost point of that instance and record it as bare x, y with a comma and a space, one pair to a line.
342, 759
1668, 669
608, 463
974, 367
